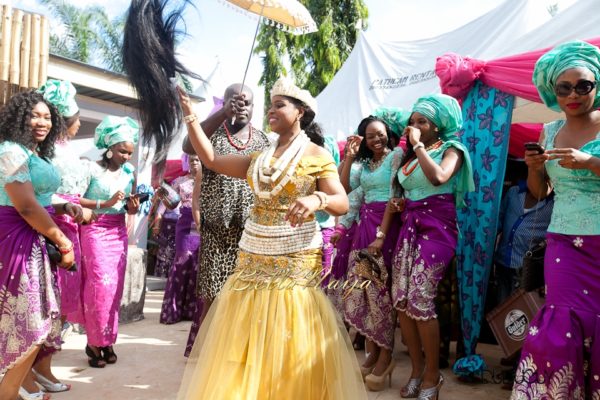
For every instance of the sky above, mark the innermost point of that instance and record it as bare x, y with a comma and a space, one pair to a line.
220, 35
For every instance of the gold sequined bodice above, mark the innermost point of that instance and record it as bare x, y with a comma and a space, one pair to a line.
303, 183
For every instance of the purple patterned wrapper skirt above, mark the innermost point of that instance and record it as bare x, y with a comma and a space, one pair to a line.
69, 281
339, 268
561, 355
179, 302
327, 250
29, 298
369, 308
104, 259
425, 247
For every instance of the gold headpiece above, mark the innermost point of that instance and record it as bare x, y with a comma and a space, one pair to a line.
285, 87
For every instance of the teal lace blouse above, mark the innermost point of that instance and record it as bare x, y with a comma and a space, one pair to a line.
577, 191
417, 186
74, 173
19, 164
104, 184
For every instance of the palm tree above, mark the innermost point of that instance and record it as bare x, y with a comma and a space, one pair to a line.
111, 43
80, 36
90, 36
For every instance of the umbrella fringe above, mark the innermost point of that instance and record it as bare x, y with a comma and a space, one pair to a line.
295, 30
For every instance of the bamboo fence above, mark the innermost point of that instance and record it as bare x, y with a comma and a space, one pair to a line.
24, 51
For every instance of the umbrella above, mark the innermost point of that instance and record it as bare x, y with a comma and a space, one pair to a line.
288, 15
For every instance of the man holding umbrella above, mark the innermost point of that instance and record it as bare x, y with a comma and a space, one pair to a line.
224, 201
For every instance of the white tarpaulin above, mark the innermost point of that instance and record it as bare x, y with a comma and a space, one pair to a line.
396, 73
580, 21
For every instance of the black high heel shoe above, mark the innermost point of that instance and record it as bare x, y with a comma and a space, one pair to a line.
108, 354
95, 361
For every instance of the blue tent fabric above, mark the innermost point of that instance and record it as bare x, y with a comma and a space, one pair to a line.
487, 114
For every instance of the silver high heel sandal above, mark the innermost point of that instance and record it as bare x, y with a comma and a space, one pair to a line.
25, 395
50, 386
431, 393
411, 389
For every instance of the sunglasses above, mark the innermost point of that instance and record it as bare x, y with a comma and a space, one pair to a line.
583, 87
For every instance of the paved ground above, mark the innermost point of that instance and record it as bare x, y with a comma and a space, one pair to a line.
151, 363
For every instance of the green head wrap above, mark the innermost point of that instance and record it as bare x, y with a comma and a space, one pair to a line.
113, 130
396, 118
568, 55
62, 95
443, 111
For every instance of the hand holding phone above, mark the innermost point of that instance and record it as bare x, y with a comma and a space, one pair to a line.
142, 197
535, 146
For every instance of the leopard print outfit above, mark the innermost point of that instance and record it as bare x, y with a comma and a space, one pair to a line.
224, 203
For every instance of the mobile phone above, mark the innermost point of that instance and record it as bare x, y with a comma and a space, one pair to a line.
534, 146
142, 197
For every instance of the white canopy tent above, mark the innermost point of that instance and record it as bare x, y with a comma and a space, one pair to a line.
396, 73
580, 21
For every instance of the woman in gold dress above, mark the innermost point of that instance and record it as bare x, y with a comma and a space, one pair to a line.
271, 332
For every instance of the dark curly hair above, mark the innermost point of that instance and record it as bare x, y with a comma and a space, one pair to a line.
364, 154
307, 122
15, 123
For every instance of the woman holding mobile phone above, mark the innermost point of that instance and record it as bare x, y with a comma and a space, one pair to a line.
561, 354
104, 242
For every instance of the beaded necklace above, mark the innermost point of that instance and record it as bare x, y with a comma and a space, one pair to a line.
407, 171
373, 165
230, 137
262, 172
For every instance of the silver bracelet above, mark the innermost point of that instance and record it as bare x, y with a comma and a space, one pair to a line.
98, 204
418, 146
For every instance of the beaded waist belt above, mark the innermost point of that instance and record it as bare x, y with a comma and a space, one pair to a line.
281, 239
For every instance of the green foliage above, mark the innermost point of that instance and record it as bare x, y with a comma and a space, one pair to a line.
87, 34
313, 58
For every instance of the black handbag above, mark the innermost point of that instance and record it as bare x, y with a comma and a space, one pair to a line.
53, 252
55, 256
532, 274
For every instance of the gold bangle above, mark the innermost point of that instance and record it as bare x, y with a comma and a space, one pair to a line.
323, 198
190, 118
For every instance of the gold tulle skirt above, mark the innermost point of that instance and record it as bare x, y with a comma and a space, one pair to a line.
278, 341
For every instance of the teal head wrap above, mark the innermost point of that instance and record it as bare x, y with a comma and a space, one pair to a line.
396, 118
568, 55
443, 111
113, 130
62, 95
